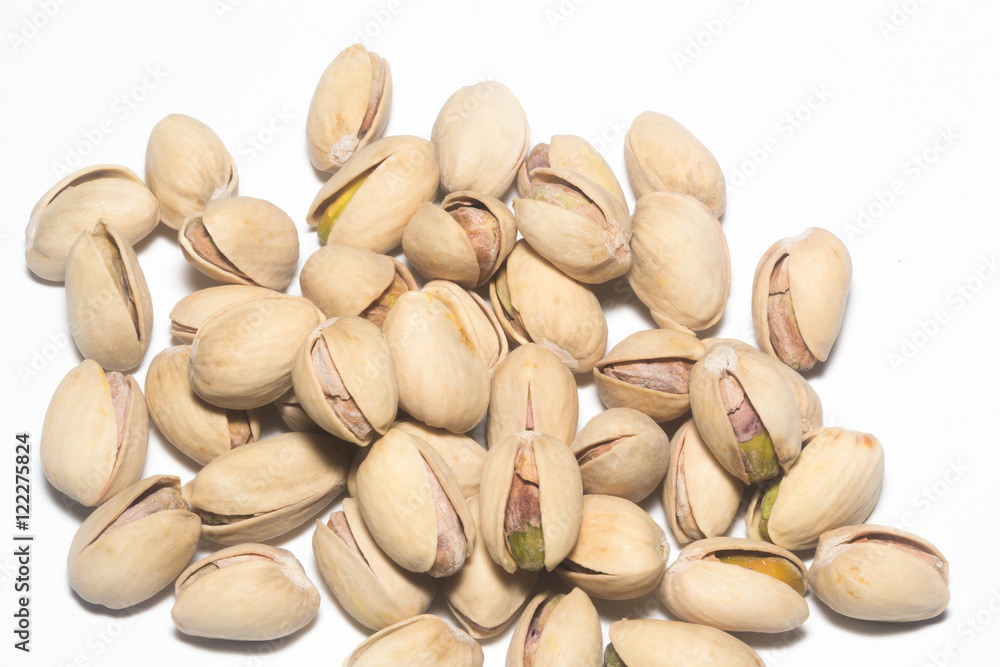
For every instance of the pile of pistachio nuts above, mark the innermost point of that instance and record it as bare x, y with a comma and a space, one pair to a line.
379, 379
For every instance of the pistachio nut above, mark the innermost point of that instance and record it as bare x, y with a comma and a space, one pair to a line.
481, 138
345, 380
187, 166
413, 506
537, 303
349, 108
267, 488
745, 412
369, 201
482, 595
700, 498
661, 155
835, 482
242, 240
876, 573
421, 640
198, 429
133, 545
649, 371
294, 416
569, 152
194, 310
109, 307
737, 585
442, 380
242, 357
531, 500
372, 588
641, 642
799, 297
76, 203
621, 452
477, 319
248, 592
464, 240
463, 455
532, 390
556, 630
680, 261
95, 433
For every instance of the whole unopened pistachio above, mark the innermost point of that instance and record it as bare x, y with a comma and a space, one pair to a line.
248, 592
194, 310
477, 319
95, 433
133, 545
187, 166
800, 295
422, 640
463, 455
641, 642
876, 573
109, 307
294, 416
556, 630
76, 203
572, 153
349, 108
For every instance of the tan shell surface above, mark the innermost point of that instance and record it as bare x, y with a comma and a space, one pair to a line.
294, 416
477, 320
573, 153
660, 642
572, 634
463, 455
344, 280
422, 640
194, 310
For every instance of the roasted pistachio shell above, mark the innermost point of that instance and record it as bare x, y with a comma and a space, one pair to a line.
133, 545
635, 643
187, 166
349, 108
249, 592
109, 307
572, 153
294, 416
198, 429
556, 630
876, 573
477, 320
194, 310
463, 455
95, 433
76, 203
422, 640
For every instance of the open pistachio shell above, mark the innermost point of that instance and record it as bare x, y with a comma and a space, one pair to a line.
194, 310
463, 455
422, 640
556, 630
477, 320
640, 642
572, 153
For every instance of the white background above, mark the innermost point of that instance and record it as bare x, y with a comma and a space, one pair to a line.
838, 101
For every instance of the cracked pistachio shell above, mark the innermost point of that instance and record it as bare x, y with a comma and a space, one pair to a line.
198, 429
242, 357
442, 379
257, 241
621, 452
134, 545
876, 573
680, 261
819, 278
658, 387
265, 489
399, 505
537, 303
93, 446
572, 153
463, 455
661, 155
187, 166
439, 247
834, 482
349, 108
560, 496
532, 391
669, 643
701, 588
581, 247
620, 554
481, 137
294, 416
477, 320
373, 589
248, 592
108, 303
700, 498
766, 390
363, 364
75, 204
570, 635
483, 596
422, 640
194, 310
369, 201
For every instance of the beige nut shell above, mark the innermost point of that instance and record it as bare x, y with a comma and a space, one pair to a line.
194, 309
463, 455
571, 635
477, 319
660, 642
567, 151
422, 640
344, 280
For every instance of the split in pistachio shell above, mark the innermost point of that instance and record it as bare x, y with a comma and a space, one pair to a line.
640, 642
876, 573
248, 592
187, 166
475, 317
572, 153
294, 416
95, 434
555, 630
108, 303
349, 108
76, 203
133, 545
422, 640
194, 310
463, 455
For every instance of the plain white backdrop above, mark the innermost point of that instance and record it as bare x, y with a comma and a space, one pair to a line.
876, 120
